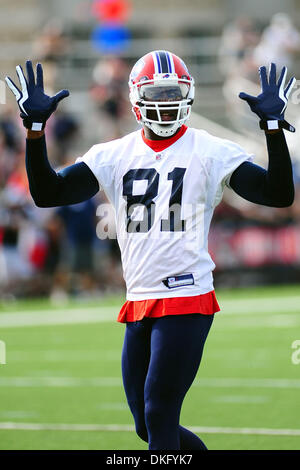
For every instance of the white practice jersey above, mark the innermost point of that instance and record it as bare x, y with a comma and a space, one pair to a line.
164, 203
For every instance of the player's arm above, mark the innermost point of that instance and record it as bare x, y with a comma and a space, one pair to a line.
274, 186
73, 184
69, 186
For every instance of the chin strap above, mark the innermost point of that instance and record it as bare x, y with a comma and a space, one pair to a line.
162, 131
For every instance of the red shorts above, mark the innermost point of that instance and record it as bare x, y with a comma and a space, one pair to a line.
206, 304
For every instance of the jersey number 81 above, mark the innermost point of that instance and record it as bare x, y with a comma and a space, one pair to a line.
173, 223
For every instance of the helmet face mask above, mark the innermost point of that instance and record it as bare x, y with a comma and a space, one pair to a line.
161, 92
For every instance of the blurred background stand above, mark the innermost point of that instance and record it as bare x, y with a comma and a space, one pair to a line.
89, 47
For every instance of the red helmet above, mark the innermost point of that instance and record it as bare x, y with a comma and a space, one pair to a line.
161, 92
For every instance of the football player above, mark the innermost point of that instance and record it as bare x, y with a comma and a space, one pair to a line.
164, 181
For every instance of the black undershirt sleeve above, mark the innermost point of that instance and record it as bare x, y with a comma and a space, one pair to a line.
71, 185
273, 187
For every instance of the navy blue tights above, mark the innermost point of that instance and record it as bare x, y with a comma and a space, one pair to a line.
160, 359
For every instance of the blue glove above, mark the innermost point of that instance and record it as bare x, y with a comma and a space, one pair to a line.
35, 106
272, 102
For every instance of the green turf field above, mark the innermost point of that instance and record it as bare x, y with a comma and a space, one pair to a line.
61, 385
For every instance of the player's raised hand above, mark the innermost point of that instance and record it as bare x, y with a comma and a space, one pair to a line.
270, 105
35, 106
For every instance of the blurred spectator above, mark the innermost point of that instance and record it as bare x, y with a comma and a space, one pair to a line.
23, 244
79, 221
9, 145
51, 48
15, 265
51, 45
279, 43
65, 133
83, 264
109, 92
237, 43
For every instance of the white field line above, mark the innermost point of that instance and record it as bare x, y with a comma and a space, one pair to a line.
60, 382
253, 431
78, 355
266, 306
127, 427
242, 321
59, 317
232, 382
261, 305
218, 382
239, 399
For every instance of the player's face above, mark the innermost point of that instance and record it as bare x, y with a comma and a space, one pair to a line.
167, 115
163, 94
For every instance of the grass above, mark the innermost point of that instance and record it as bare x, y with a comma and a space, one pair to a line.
71, 374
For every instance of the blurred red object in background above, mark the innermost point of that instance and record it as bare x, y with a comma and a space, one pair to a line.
111, 11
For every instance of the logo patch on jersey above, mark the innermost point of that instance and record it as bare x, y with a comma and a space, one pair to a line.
179, 281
